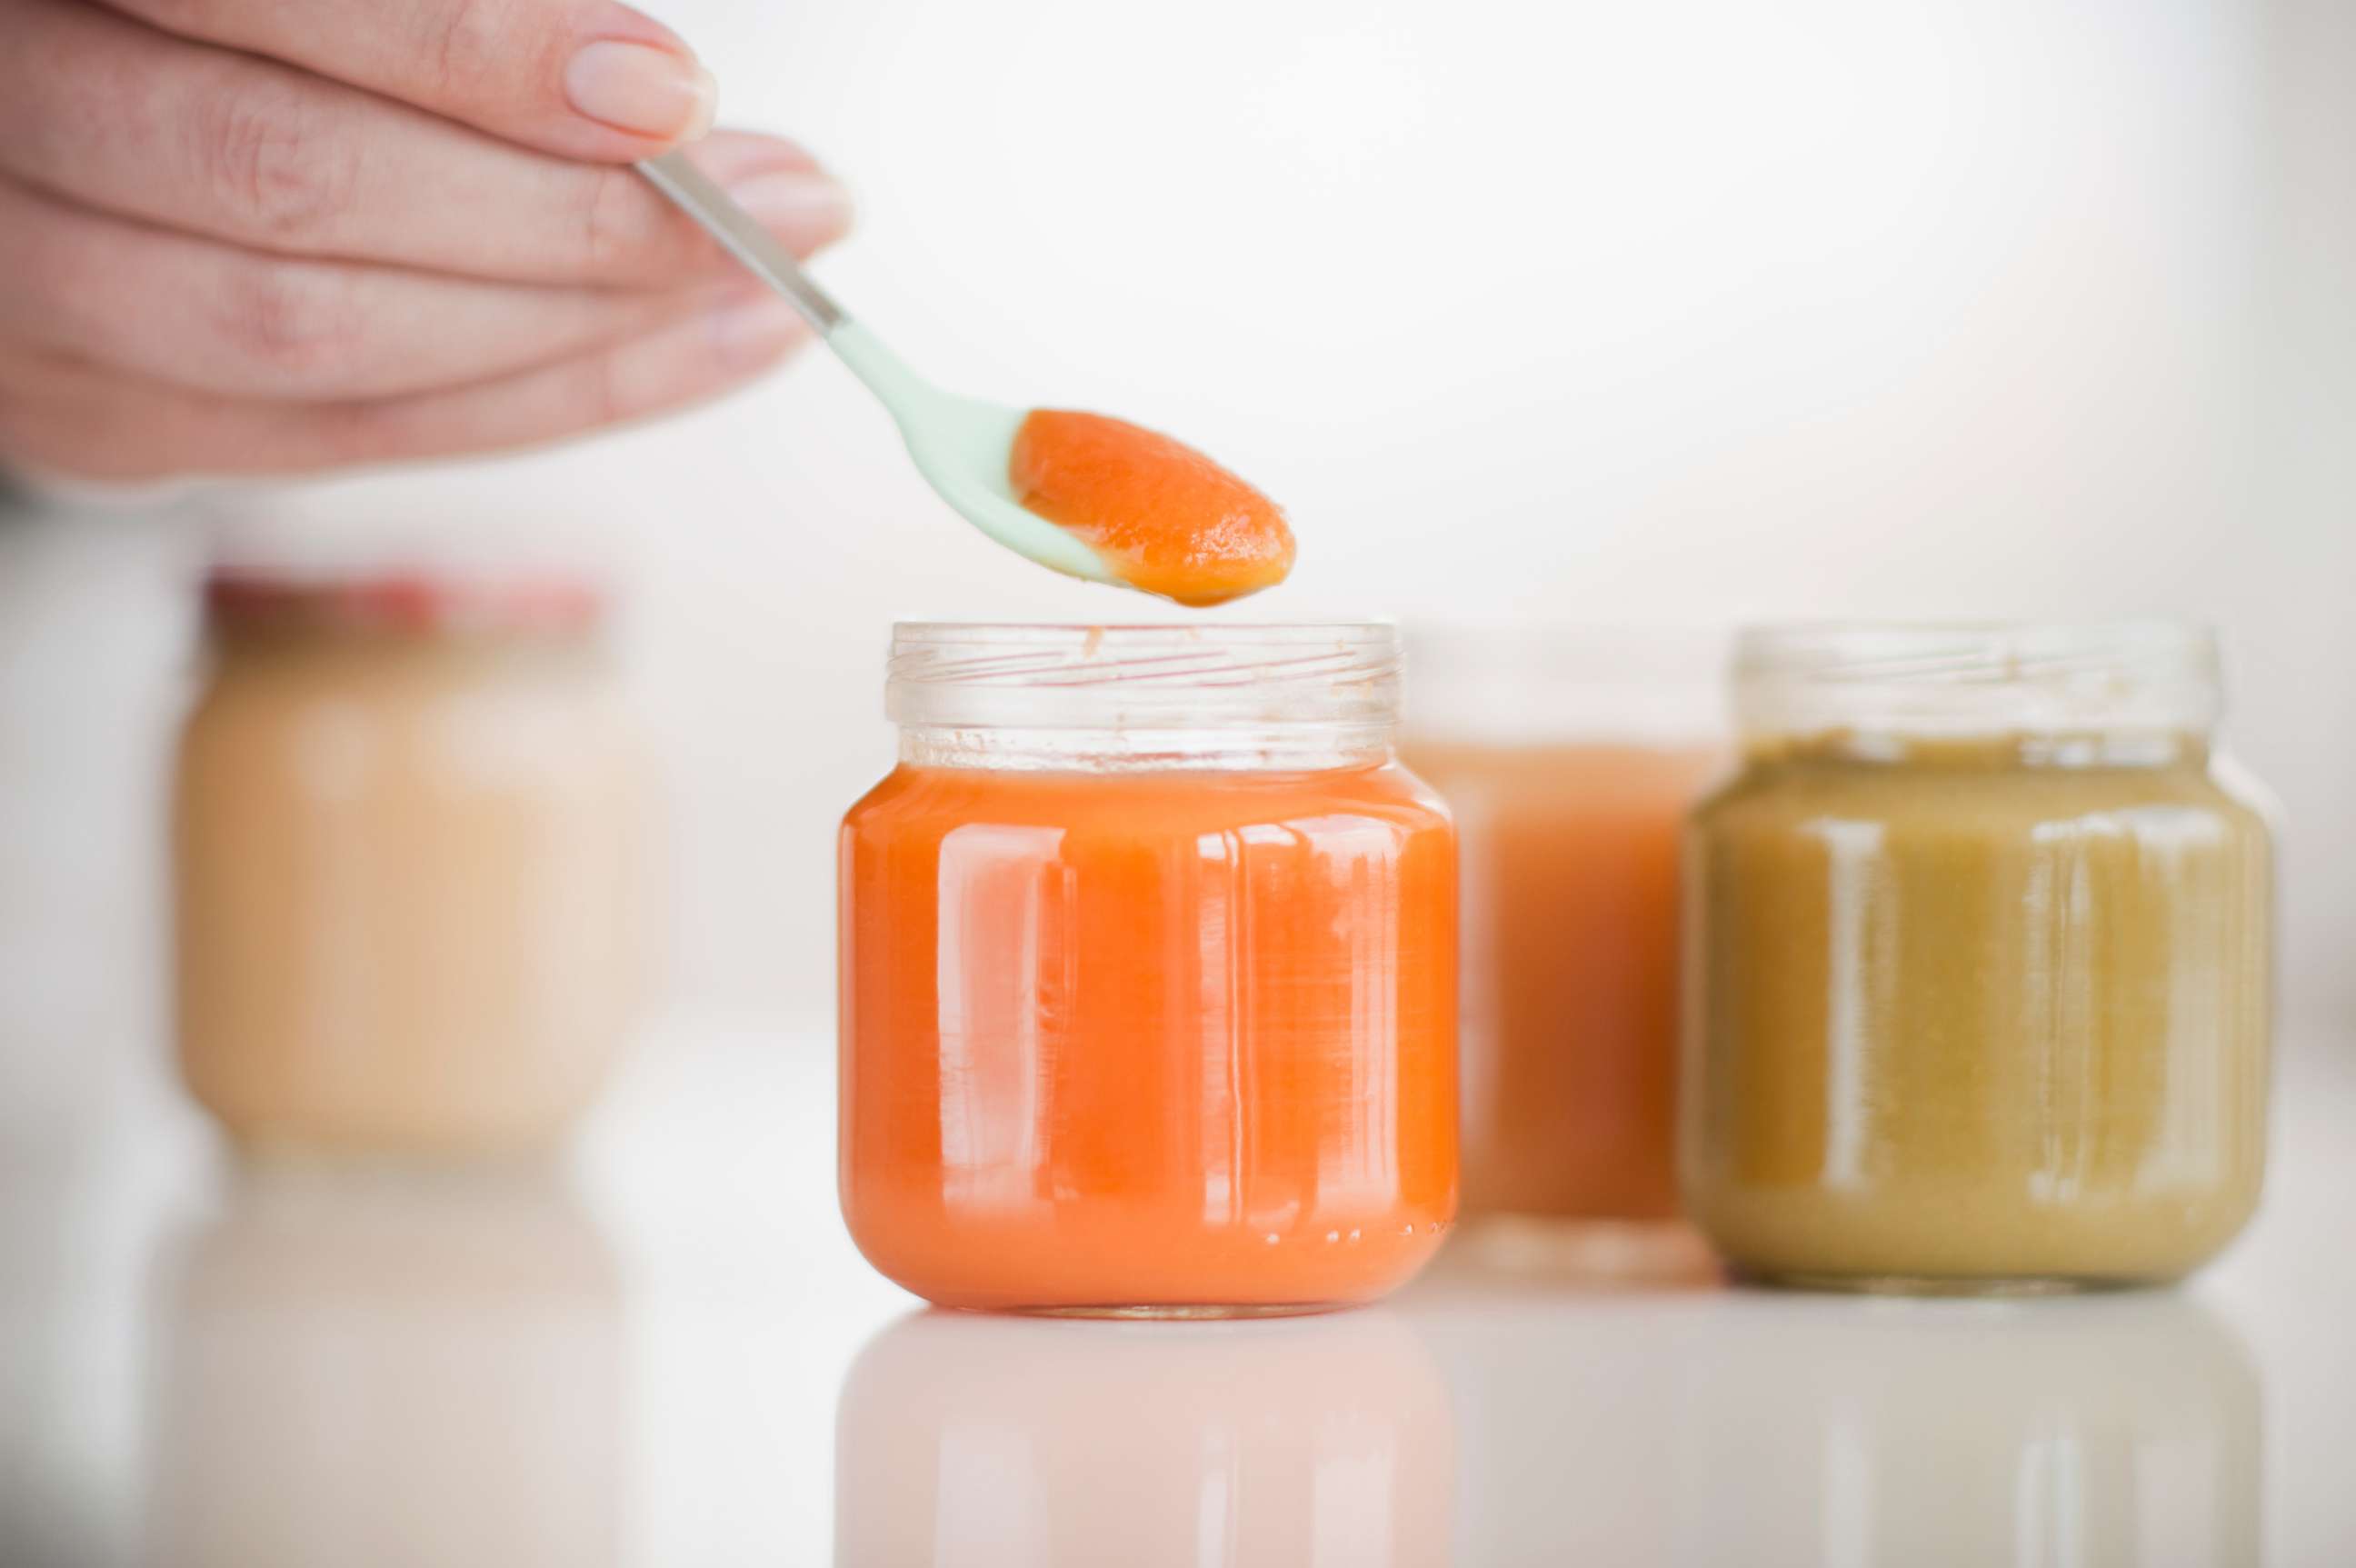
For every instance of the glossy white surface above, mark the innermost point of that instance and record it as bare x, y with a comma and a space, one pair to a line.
670, 1354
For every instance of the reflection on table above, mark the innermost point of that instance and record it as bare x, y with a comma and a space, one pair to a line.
965, 1441
380, 1367
2119, 1430
1696, 1429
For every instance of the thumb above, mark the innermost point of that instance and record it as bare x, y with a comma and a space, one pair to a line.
583, 79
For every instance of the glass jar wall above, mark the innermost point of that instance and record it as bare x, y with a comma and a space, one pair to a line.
1148, 974
408, 847
1979, 989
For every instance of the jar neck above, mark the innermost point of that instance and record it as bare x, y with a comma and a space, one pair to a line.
1264, 748
1149, 698
2099, 689
1991, 753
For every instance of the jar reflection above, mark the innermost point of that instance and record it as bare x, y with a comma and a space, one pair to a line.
1691, 1429
2108, 1431
964, 1442
370, 1367
1565, 1402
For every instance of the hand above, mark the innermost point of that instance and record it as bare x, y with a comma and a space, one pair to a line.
244, 236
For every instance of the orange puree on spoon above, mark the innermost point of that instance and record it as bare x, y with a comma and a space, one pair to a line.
1164, 516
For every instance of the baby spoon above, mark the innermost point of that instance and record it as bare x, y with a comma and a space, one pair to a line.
960, 444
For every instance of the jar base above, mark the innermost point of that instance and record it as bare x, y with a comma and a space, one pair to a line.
275, 1151
2008, 1286
1177, 1312
1582, 1251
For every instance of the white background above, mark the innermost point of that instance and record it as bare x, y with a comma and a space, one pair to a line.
1686, 311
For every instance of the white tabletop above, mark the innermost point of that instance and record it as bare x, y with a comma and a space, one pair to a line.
668, 1353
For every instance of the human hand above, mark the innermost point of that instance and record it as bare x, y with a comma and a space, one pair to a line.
249, 236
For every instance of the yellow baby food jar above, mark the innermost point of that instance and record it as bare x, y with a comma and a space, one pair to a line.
1978, 963
407, 850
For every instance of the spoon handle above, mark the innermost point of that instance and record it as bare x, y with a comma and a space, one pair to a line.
692, 191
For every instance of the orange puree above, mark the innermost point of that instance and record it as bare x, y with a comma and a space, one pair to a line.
1184, 1038
1570, 971
1165, 517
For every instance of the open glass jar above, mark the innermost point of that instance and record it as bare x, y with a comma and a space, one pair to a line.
1980, 974
409, 854
1568, 755
1148, 974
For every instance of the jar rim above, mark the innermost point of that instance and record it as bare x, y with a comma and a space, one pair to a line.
410, 600
1556, 680
1333, 680
1095, 636
1961, 676
1963, 649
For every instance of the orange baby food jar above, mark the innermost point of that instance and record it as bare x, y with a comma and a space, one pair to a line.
407, 843
1569, 757
1148, 974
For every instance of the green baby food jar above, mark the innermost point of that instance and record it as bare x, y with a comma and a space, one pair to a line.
1978, 962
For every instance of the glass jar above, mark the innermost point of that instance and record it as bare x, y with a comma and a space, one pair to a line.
1148, 974
407, 843
1568, 756
1980, 966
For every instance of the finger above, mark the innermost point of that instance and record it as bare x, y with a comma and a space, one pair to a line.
92, 422
115, 115
221, 318
583, 79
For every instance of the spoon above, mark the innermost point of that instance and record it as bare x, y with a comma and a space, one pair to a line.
960, 444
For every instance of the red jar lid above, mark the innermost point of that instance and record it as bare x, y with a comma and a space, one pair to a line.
406, 600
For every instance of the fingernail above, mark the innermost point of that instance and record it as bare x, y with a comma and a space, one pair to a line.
640, 88
755, 331
802, 208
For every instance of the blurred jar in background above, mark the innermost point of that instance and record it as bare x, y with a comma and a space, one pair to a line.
372, 1365
409, 845
1981, 984
968, 1442
1568, 756
1149, 961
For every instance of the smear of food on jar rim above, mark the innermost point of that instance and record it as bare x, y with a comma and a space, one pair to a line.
1165, 518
